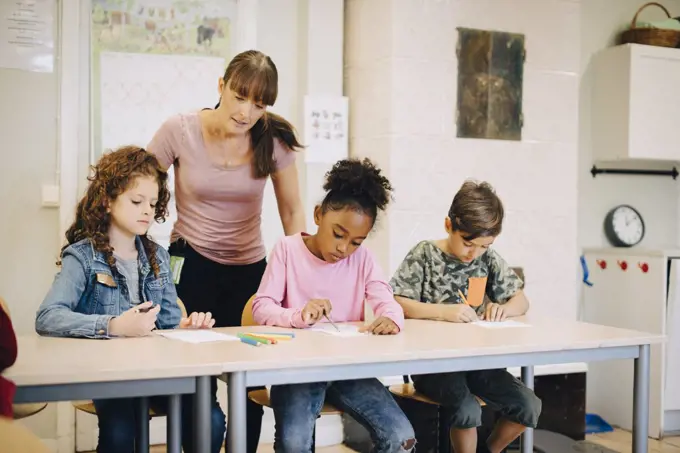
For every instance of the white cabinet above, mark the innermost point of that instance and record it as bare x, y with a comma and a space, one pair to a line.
635, 289
635, 103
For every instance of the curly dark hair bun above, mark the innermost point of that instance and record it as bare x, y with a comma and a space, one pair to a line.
357, 184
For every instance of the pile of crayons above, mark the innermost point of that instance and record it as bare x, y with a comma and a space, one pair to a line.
260, 338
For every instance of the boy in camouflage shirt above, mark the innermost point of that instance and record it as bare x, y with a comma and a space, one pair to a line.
428, 285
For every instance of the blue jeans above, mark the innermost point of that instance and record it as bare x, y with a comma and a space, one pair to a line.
296, 408
118, 420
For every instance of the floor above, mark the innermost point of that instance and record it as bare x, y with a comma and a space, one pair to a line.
617, 440
621, 442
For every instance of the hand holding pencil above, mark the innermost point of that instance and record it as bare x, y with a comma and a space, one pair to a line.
460, 312
315, 310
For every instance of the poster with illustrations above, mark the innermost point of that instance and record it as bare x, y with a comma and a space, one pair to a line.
152, 59
177, 27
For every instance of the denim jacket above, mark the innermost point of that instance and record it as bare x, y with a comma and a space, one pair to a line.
85, 294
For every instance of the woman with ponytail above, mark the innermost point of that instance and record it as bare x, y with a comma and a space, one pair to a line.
222, 158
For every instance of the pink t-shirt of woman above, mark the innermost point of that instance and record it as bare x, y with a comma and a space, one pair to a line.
294, 276
218, 209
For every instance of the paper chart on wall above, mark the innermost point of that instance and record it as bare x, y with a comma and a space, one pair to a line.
499, 324
27, 35
326, 128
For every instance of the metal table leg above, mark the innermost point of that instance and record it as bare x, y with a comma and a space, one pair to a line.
236, 384
527, 442
202, 420
641, 401
174, 427
142, 437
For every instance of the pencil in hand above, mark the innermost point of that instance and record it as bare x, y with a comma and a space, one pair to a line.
462, 297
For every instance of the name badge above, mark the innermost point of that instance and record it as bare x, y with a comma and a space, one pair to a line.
176, 264
106, 280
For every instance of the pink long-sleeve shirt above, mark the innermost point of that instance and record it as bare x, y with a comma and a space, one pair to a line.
294, 276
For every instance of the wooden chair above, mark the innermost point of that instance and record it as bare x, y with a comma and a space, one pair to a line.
408, 391
16, 437
261, 397
88, 406
20, 411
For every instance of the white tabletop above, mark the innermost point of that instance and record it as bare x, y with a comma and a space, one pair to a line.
420, 340
46, 361
49, 361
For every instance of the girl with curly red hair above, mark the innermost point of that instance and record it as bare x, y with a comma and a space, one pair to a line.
116, 282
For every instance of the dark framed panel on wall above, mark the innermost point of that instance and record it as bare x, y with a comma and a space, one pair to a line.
490, 77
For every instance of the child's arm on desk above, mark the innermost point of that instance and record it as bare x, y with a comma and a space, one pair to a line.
268, 307
57, 316
517, 305
414, 309
408, 282
379, 296
505, 288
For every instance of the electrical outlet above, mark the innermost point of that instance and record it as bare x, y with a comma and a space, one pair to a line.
50, 196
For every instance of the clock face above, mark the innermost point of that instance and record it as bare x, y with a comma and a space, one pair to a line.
627, 225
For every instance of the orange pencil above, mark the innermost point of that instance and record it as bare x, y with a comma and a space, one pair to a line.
460, 293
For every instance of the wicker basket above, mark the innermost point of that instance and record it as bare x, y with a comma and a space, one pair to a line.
651, 36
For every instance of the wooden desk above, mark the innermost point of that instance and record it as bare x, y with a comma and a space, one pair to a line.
67, 369
430, 347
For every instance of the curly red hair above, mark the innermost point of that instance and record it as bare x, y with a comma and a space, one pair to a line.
114, 174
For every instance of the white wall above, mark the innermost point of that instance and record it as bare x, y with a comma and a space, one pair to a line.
655, 197
29, 240
278, 28
402, 82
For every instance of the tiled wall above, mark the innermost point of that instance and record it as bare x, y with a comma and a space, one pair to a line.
401, 70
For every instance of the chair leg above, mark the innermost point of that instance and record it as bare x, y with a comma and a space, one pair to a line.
444, 441
314, 439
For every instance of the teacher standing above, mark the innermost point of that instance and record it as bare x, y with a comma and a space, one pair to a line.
222, 158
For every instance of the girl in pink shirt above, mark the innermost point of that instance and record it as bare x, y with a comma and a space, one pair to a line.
329, 274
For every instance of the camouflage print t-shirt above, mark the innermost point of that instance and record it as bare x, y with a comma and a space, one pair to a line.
427, 274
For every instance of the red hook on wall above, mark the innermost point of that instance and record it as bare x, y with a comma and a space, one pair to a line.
623, 265
602, 264
644, 267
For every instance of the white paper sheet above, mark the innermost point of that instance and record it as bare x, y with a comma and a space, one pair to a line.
344, 330
196, 336
500, 324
